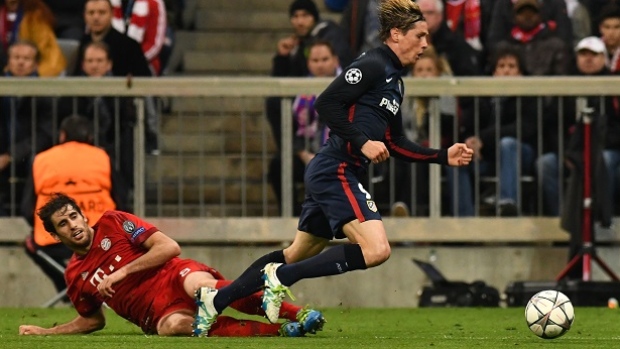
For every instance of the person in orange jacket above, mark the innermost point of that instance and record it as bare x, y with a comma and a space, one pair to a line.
77, 168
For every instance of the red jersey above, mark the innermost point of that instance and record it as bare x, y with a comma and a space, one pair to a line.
117, 241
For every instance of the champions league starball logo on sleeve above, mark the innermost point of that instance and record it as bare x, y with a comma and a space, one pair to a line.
353, 76
128, 227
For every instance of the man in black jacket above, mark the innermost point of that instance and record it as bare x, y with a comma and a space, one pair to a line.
126, 54
291, 56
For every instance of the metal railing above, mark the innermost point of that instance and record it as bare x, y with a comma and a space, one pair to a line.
244, 167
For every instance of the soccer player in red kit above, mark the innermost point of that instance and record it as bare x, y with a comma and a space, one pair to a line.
134, 268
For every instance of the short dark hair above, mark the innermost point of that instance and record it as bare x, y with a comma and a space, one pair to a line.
108, 1
611, 10
77, 129
508, 50
322, 42
57, 202
100, 45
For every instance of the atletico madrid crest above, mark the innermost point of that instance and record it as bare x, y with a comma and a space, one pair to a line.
371, 205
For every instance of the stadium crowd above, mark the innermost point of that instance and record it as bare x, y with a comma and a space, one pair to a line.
99, 38
96, 39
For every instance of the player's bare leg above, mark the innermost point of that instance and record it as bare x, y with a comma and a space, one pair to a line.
303, 247
201, 286
372, 238
176, 324
194, 280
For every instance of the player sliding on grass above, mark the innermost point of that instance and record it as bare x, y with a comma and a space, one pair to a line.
133, 267
362, 109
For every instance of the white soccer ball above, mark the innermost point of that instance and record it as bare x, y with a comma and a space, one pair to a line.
549, 314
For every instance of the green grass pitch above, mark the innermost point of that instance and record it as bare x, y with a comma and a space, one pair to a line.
346, 328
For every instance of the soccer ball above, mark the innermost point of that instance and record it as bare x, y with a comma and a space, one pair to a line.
549, 314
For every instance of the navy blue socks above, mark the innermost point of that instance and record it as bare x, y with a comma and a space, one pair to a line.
249, 282
336, 260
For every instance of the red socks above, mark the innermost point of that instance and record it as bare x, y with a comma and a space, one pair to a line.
225, 326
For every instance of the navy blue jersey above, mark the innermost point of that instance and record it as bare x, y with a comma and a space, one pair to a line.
363, 103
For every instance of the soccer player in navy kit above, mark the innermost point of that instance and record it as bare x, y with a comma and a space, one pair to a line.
361, 107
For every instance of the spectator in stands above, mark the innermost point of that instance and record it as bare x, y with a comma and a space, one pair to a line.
145, 22
464, 60
69, 19
544, 52
77, 168
603, 138
309, 131
471, 18
32, 20
430, 65
132, 267
512, 113
595, 9
609, 26
360, 19
291, 56
125, 53
416, 117
591, 55
552, 12
101, 112
20, 119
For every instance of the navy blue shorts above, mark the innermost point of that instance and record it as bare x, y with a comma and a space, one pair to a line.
334, 197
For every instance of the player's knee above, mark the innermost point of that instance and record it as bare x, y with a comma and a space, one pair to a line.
377, 255
176, 327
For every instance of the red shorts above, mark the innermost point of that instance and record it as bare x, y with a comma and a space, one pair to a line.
171, 296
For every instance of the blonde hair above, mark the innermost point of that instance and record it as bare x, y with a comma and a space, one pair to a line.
400, 14
443, 68
442, 65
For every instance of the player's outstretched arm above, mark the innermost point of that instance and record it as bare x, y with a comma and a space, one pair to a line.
79, 325
459, 155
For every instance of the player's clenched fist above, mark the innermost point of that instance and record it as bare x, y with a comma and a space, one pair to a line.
460, 155
375, 151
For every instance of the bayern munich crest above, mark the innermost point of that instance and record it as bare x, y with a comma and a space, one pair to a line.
106, 244
353, 76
